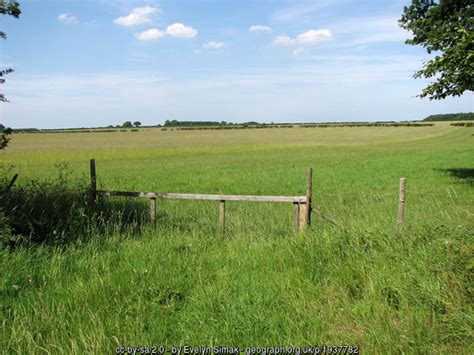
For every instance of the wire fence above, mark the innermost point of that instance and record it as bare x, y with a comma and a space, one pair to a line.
430, 207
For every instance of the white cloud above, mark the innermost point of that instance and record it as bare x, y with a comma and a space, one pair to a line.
259, 28
67, 18
314, 36
307, 38
176, 30
283, 40
138, 16
213, 45
181, 31
151, 34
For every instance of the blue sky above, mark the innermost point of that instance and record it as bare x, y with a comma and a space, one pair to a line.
95, 63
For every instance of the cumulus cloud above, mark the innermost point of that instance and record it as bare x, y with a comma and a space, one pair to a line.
179, 30
138, 16
259, 28
213, 45
310, 37
314, 36
151, 34
67, 18
283, 40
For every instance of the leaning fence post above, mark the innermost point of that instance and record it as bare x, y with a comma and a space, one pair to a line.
93, 182
401, 203
309, 194
152, 208
12, 181
222, 217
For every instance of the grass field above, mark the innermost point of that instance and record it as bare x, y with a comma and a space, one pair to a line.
111, 278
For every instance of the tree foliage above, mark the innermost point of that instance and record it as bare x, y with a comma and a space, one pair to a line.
137, 124
11, 8
446, 28
468, 116
127, 124
4, 133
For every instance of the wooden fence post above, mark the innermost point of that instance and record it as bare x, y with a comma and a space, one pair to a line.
296, 216
401, 203
309, 194
152, 208
303, 216
222, 217
305, 208
93, 181
12, 181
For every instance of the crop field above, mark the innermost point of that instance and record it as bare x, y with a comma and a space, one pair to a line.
81, 278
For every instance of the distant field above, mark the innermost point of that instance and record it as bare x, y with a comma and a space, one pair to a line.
155, 138
359, 283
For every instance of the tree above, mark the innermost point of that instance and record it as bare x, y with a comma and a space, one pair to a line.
127, 124
4, 133
445, 27
11, 8
137, 124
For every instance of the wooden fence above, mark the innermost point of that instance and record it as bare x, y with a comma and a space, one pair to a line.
301, 204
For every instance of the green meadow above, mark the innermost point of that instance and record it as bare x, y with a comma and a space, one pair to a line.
80, 278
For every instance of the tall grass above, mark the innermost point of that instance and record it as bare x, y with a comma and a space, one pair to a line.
369, 288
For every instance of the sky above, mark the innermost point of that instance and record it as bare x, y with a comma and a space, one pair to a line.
96, 63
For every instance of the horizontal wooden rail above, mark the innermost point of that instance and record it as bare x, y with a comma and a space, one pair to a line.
175, 196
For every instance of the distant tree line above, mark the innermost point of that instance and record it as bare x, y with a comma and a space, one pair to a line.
307, 125
176, 123
368, 124
463, 124
469, 116
234, 126
129, 124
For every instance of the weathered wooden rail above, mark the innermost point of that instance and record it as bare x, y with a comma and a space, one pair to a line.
301, 204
